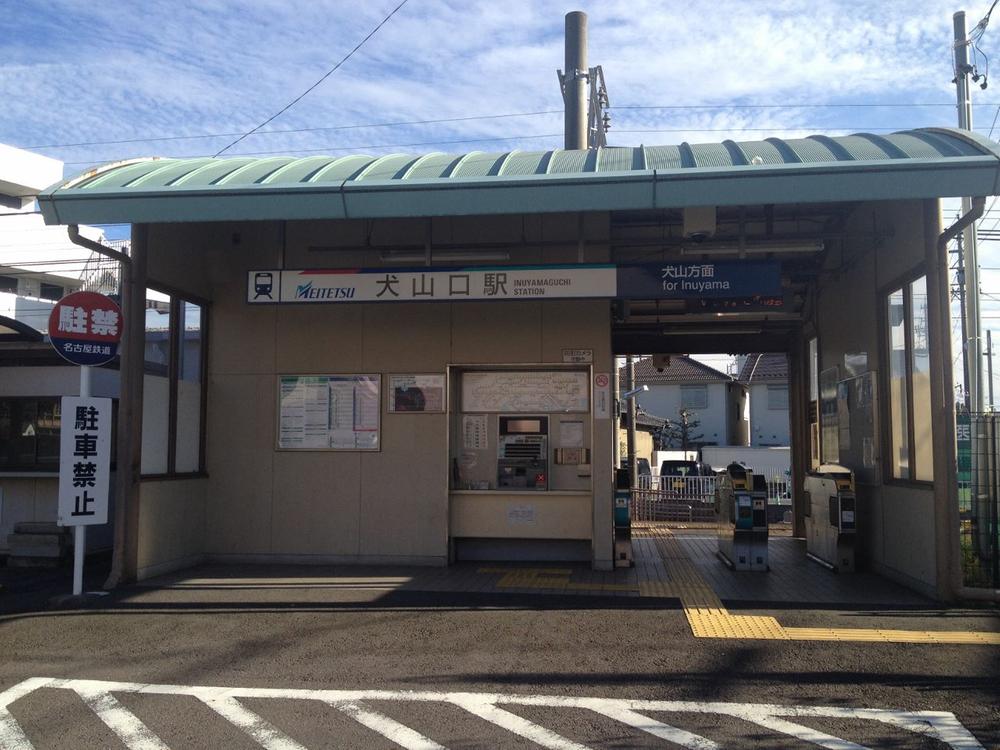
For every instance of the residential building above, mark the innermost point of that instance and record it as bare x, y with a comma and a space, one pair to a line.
710, 397
765, 378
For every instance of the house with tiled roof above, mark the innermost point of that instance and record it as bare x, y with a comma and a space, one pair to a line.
765, 377
713, 398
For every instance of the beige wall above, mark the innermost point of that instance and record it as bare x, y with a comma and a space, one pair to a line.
171, 525
896, 521
391, 505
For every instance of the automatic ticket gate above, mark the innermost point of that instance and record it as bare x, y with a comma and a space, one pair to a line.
741, 513
831, 523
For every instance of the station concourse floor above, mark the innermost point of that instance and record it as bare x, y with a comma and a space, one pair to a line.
668, 563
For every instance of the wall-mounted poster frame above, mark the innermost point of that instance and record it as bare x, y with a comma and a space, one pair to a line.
546, 391
416, 393
328, 412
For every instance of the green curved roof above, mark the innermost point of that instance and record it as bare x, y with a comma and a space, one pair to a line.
913, 164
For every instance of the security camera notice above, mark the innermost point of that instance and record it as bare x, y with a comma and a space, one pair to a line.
416, 393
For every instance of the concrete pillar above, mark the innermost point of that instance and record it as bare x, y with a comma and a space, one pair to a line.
124, 562
948, 564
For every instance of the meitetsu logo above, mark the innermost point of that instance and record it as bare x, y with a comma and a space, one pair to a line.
307, 291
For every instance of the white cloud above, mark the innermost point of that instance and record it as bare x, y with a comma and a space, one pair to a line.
163, 67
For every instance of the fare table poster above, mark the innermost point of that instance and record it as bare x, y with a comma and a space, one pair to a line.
328, 412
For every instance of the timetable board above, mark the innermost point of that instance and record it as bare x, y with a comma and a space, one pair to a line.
328, 412
525, 391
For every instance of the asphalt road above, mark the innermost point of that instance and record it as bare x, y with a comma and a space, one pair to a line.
458, 652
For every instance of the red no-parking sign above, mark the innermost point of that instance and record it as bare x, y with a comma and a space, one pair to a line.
85, 328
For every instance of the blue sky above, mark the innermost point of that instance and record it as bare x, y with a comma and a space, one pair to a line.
75, 71
80, 71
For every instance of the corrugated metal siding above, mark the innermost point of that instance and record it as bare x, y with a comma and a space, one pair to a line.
663, 157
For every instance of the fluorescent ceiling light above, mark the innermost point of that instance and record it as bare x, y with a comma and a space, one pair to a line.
441, 256
777, 248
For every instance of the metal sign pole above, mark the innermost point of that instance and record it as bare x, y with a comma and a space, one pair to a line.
80, 531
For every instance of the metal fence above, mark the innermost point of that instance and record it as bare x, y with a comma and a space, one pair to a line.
979, 498
692, 499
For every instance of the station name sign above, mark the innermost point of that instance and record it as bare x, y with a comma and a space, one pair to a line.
722, 280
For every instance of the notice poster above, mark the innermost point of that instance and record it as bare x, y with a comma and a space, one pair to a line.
416, 393
328, 412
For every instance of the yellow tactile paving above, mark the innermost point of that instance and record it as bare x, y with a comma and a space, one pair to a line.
891, 636
709, 619
551, 578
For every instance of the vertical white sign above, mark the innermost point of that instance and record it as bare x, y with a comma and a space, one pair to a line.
84, 461
602, 395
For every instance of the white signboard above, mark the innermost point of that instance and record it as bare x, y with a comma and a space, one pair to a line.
526, 391
328, 412
602, 395
578, 356
84, 461
416, 393
438, 285
474, 435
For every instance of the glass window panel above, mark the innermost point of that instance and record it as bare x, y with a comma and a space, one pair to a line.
29, 434
777, 397
813, 370
190, 349
694, 396
156, 384
898, 409
157, 349
920, 367
188, 451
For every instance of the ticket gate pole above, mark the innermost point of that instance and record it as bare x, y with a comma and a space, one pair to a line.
831, 523
623, 521
741, 513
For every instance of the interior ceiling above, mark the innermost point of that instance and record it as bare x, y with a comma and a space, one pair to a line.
798, 236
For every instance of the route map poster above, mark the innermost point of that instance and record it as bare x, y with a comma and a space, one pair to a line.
328, 412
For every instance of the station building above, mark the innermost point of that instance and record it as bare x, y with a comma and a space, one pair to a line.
410, 359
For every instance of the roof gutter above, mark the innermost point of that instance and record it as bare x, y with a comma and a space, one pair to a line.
78, 239
960, 590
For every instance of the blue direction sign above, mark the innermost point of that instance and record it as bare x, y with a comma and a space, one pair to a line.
729, 279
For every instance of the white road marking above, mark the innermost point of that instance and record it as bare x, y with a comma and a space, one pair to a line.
12, 737
654, 727
517, 724
941, 725
806, 734
391, 729
121, 721
263, 732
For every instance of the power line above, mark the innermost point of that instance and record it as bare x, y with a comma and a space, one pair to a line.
326, 75
362, 126
289, 151
503, 115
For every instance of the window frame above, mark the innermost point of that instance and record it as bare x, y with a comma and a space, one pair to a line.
701, 388
776, 388
176, 316
42, 471
904, 285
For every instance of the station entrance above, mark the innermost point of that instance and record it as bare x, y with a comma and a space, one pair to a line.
760, 480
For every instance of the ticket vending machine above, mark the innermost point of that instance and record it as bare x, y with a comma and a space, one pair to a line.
831, 523
523, 453
741, 514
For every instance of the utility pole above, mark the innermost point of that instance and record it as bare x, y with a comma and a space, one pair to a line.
585, 95
960, 274
989, 363
574, 81
973, 334
630, 420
